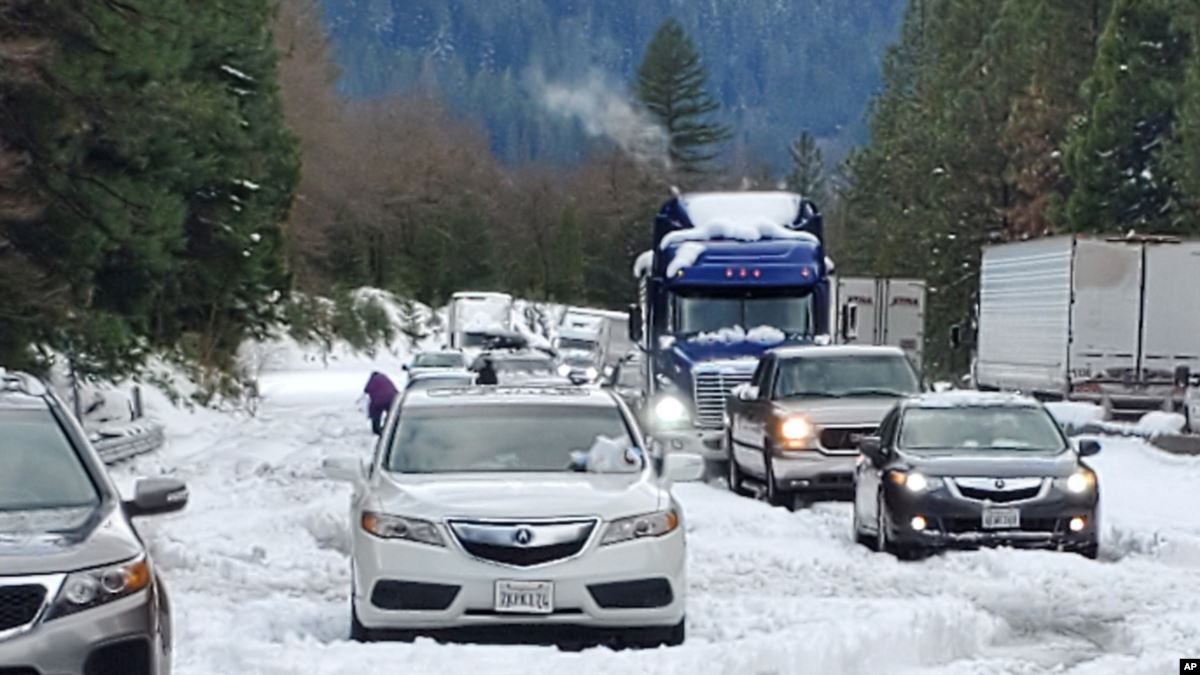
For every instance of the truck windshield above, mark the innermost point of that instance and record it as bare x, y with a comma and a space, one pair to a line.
705, 314
576, 343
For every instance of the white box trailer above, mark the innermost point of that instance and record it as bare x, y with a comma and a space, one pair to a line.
875, 311
612, 336
1107, 320
477, 311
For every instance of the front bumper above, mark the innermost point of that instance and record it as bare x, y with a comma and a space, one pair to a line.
473, 584
956, 522
122, 636
814, 471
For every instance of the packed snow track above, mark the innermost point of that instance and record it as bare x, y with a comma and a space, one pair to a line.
259, 572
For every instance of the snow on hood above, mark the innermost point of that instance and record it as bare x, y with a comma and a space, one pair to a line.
521, 495
762, 335
643, 264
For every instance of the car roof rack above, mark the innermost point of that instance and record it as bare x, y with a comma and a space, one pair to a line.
509, 390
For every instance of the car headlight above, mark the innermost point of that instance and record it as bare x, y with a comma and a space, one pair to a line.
670, 410
796, 429
386, 526
915, 481
564, 370
639, 527
92, 588
591, 373
1080, 482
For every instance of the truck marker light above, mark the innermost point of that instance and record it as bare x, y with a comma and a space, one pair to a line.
728, 272
742, 273
757, 274
804, 272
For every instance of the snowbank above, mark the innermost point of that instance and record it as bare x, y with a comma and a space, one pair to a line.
1159, 422
1075, 415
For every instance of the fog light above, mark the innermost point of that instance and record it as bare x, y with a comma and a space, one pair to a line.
918, 523
1077, 524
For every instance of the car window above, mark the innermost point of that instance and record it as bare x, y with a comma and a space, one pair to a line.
448, 360
39, 469
422, 383
845, 376
509, 438
887, 430
980, 428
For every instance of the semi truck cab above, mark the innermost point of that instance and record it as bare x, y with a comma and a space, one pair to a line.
730, 276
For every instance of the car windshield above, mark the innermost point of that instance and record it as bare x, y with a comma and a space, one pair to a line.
438, 360
509, 438
980, 428
699, 314
841, 376
422, 383
576, 343
41, 470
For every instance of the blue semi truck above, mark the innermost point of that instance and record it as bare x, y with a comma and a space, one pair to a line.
730, 276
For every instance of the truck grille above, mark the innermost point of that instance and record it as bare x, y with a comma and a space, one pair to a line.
19, 605
712, 388
844, 438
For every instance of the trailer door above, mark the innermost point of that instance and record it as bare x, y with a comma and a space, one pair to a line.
858, 311
1171, 311
1106, 312
904, 316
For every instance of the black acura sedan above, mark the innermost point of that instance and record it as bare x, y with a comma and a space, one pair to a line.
965, 469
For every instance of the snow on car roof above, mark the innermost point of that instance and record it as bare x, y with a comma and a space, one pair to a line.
971, 399
506, 395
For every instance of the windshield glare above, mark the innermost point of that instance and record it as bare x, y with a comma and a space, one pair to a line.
438, 361
40, 468
978, 428
846, 376
510, 438
697, 314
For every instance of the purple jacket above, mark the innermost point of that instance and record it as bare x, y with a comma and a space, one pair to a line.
381, 392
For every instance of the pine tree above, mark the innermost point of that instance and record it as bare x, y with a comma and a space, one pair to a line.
569, 257
1119, 158
670, 84
1186, 155
807, 173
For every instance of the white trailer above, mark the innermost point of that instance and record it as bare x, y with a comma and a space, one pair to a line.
471, 311
880, 312
610, 328
1107, 320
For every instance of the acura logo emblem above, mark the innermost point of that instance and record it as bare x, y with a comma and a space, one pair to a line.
523, 536
1000, 484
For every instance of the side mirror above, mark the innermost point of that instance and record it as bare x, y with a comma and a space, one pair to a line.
748, 392
1089, 447
635, 323
872, 448
156, 496
345, 469
683, 467
404, 367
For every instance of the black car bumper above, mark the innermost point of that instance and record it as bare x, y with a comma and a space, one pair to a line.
951, 521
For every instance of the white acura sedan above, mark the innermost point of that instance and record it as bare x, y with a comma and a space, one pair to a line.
517, 514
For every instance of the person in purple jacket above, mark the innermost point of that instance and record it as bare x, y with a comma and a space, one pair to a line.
381, 392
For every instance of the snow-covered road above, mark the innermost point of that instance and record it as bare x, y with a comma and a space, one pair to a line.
258, 571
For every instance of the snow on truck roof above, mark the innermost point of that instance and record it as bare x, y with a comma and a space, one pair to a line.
741, 216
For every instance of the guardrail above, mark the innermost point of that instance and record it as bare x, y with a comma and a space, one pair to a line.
117, 444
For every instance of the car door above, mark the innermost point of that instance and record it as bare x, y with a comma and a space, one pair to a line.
752, 420
868, 476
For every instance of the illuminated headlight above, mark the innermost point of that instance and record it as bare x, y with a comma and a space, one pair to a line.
387, 526
591, 373
638, 527
915, 481
796, 429
92, 588
564, 370
1081, 482
670, 410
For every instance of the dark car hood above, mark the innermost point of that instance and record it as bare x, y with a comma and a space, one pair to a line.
64, 540
995, 464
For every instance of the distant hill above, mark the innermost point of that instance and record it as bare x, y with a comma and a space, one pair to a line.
778, 66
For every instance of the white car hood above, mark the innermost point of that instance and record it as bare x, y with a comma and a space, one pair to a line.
518, 495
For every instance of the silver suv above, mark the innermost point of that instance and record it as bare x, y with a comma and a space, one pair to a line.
79, 594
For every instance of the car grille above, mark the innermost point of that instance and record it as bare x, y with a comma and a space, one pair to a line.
712, 389
523, 544
844, 438
19, 605
960, 525
998, 496
999, 490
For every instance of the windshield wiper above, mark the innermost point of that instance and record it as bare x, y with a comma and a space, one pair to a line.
812, 394
876, 392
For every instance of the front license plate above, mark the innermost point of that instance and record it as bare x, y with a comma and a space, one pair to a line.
1001, 519
525, 597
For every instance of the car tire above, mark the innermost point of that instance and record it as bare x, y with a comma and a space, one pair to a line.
861, 537
734, 472
359, 632
1090, 551
774, 496
657, 636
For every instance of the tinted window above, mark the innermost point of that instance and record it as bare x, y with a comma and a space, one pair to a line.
501, 438
448, 360
38, 467
980, 428
421, 383
856, 375
697, 314
576, 343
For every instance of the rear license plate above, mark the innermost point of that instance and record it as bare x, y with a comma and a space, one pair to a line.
525, 597
1001, 519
